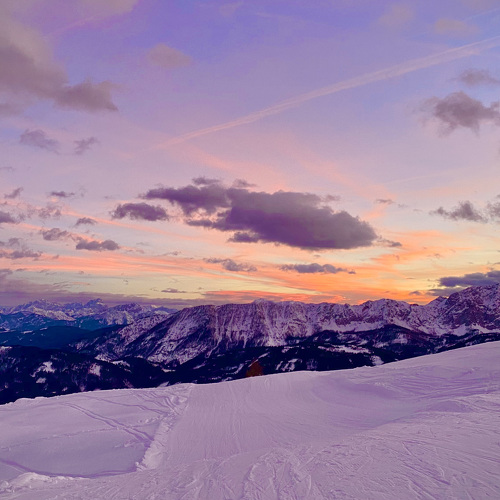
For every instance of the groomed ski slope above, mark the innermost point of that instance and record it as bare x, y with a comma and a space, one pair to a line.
425, 428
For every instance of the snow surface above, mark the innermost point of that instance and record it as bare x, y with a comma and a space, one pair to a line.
425, 428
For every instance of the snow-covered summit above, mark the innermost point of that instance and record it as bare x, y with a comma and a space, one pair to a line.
93, 313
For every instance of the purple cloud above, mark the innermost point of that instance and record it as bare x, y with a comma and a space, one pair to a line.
207, 198
460, 110
86, 96
472, 279
139, 211
475, 77
54, 234
16, 193
290, 218
231, 265
19, 254
493, 209
464, 211
17, 249
96, 246
315, 268
83, 145
29, 72
61, 194
167, 57
39, 139
6, 218
85, 221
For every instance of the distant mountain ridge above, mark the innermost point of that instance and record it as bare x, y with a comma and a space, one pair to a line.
92, 314
189, 332
214, 343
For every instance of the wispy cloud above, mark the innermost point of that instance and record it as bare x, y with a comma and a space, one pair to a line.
16, 193
475, 77
315, 268
139, 211
351, 83
231, 265
83, 145
39, 139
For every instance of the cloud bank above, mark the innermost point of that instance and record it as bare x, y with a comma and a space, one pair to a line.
295, 219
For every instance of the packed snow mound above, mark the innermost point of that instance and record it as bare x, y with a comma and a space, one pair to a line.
421, 428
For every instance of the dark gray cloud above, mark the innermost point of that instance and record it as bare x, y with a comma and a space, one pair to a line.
61, 194
83, 145
472, 279
172, 290
475, 77
384, 201
460, 110
6, 218
96, 246
315, 268
38, 139
16, 193
54, 234
299, 220
464, 211
139, 211
416, 293
85, 221
231, 265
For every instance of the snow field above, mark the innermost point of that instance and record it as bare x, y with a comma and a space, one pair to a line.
425, 428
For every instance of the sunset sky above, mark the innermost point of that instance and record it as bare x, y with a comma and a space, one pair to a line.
185, 152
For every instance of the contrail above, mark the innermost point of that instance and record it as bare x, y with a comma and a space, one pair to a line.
351, 83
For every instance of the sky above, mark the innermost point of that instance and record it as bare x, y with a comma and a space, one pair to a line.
186, 152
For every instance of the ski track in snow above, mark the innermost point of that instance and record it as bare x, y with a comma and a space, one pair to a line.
426, 428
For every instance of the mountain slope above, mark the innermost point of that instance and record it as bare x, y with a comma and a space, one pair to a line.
29, 372
420, 428
201, 330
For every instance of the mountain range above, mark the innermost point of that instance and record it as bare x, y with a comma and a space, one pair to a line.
143, 346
